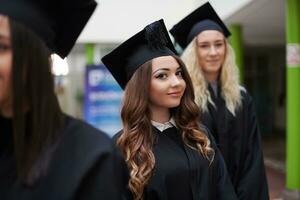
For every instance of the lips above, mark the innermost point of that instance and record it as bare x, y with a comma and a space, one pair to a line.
213, 61
175, 94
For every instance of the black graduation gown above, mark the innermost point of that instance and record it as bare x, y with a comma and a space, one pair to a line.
238, 139
181, 173
85, 165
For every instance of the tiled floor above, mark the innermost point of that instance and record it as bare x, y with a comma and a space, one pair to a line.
274, 155
276, 181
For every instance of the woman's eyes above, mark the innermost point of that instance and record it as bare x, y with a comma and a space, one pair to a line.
165, 75
4, 47
206, 46
161, 76
219, 44
179, 73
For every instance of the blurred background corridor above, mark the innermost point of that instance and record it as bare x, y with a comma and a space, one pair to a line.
266, 37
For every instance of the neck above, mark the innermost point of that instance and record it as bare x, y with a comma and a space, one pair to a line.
211, 77
6, 111
160, 115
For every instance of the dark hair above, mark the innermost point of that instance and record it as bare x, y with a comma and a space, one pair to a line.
37, 116
137, 139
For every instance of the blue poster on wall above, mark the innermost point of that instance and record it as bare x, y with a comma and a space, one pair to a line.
102, 99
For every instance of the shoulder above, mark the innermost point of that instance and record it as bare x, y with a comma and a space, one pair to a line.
209, 135
84, 137
85, 156
242, 89
83, 129
204, 129
117, 135
246, 97
83, 147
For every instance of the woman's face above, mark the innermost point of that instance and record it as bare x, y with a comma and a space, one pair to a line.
5, 63
211, 51
167, 84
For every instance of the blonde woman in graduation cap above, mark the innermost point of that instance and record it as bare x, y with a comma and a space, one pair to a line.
169, 155
45, 154
226, 107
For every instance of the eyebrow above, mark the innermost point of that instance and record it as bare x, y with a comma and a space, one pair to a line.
165, 69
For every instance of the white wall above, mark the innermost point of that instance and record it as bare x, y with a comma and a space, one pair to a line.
116, 20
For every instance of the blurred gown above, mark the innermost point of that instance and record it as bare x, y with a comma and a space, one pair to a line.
238, 139
85, 165
182, 173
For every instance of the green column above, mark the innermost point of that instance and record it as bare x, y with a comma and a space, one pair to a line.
236, 41
293, 94
89, 53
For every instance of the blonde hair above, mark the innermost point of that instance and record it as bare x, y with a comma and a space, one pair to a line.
229, 78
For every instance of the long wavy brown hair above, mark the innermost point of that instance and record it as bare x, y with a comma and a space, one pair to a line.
137, 138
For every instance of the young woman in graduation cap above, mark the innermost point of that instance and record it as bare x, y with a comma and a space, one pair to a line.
226, 107
45, 154
168, 154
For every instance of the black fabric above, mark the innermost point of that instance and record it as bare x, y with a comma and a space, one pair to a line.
151, 42
6, 138
57, 22
6, 160
196, 22
85, 166
182, 173
238, 139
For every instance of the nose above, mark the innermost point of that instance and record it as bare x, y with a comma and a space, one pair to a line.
212, 50
175, 81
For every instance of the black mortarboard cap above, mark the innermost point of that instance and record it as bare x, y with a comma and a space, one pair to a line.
203, 18
151, 42
57, 22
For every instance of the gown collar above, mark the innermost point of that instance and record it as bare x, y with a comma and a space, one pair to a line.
214, 86
163, 126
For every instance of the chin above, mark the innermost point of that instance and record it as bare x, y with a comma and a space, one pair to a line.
174, 105
215, 66
213, 69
